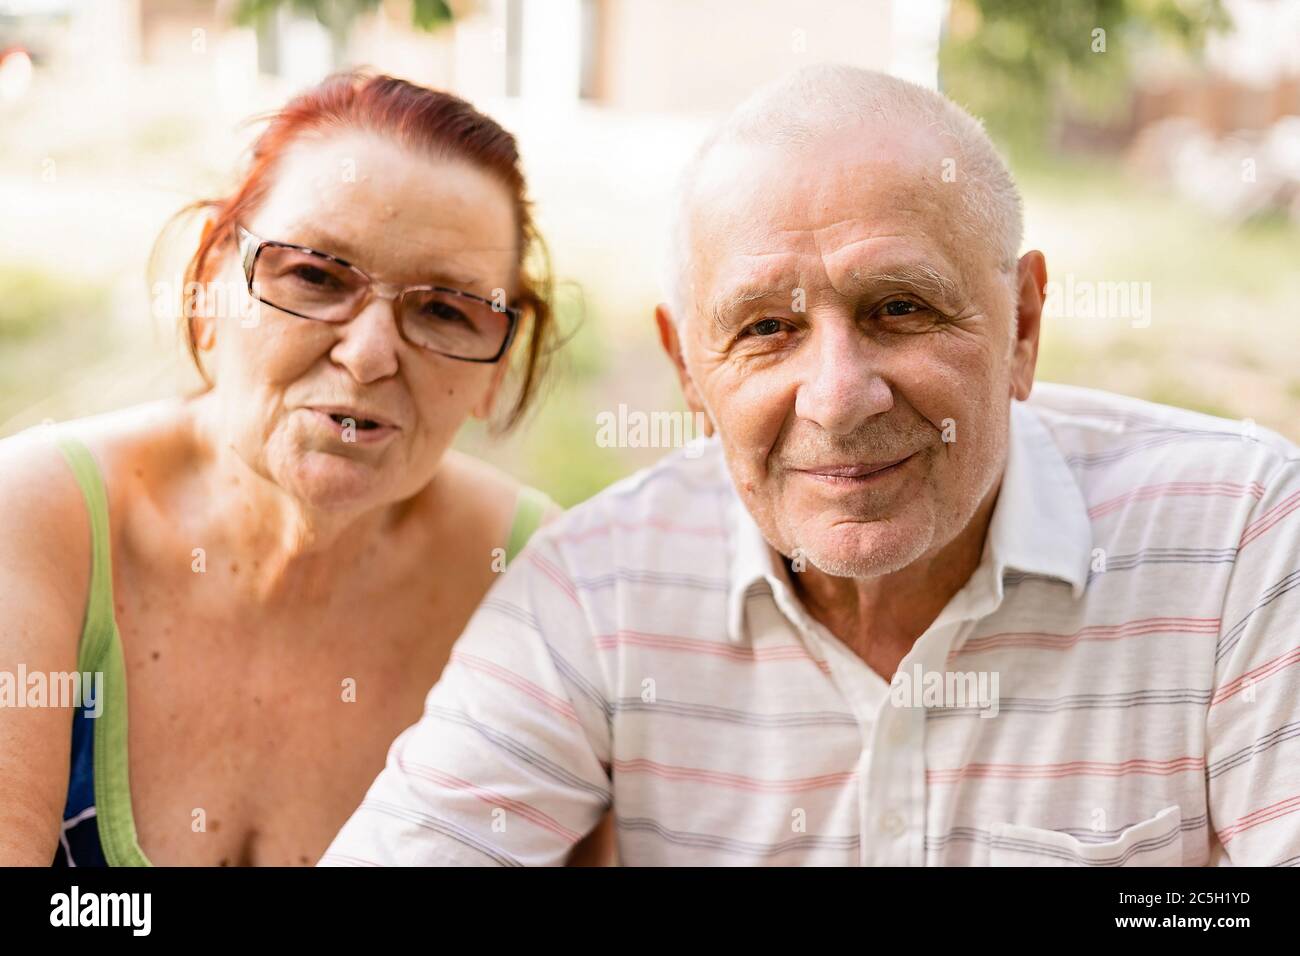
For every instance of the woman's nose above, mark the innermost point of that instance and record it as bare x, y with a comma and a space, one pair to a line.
368, 343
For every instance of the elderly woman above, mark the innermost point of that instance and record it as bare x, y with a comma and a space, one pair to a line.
270, 575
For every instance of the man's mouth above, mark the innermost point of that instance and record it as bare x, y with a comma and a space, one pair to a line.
855, 473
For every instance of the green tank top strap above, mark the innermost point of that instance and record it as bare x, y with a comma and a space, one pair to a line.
530, 507
101, 652
99, 630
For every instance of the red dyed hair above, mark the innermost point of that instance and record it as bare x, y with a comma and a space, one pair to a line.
420, 119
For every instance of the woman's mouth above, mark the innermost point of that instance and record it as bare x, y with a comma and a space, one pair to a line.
365, 424
354, 426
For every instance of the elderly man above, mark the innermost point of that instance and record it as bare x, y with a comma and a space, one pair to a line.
894, 613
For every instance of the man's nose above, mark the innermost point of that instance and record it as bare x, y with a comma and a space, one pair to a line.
368, 344
842, 385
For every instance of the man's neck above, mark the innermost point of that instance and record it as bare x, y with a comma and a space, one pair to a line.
880, 618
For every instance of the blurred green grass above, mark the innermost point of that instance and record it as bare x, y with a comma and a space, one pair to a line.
1224, 335
52, 328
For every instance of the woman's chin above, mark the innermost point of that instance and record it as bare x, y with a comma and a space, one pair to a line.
328, 481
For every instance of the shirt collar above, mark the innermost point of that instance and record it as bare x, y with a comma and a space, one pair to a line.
1040, 525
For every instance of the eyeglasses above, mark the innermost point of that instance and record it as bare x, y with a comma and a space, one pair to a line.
316, 285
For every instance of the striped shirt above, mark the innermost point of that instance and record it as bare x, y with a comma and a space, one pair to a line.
1134, 621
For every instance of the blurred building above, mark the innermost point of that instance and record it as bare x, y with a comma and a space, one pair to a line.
643, 55
1222, 129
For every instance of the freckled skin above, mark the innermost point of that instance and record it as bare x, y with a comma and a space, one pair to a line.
867, 372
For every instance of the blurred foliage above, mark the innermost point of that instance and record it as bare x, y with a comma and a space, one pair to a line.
1019, 63
339, 16
1222, 336
333, 14
36, 303
51, 331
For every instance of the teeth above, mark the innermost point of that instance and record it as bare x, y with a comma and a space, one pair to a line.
365, 424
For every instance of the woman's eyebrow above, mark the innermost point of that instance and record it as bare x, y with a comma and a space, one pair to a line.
341, 249
329, 244
464, 283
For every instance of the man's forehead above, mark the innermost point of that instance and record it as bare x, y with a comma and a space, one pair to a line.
777, 231
850, 262
832, 192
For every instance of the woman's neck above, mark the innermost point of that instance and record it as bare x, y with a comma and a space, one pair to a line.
290, 550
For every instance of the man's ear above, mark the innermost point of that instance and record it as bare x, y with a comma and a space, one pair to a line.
672, 345
1031, 282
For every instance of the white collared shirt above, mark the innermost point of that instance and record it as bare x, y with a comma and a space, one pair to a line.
1118, 683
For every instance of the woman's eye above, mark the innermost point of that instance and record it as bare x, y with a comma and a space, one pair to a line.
765, 327
441, 310
313, 276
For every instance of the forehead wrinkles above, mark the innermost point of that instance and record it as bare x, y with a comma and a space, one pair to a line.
823, 214
915, 231
749, 276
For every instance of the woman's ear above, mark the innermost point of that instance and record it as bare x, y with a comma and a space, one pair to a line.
483, 407
205, 333
203, 325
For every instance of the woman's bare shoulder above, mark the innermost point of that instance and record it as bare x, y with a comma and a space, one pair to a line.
45, 514
471, 472
45, 508
489, 494
118, 437
44, 551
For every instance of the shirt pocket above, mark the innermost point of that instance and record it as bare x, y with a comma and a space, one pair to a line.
1153, 842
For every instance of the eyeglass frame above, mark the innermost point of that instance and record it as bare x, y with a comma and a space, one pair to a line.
251, 246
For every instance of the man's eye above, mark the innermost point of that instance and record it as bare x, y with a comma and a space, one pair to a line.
764, 327
900, 307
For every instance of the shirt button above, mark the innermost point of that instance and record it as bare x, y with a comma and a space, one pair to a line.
892, 823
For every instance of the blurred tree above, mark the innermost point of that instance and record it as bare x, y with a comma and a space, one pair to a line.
338, 16
1019, 63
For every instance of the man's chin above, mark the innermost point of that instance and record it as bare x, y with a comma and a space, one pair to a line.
864, 549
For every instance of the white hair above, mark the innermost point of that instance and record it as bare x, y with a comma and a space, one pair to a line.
813, 102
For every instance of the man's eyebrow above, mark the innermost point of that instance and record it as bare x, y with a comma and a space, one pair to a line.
739, 298
922, 279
